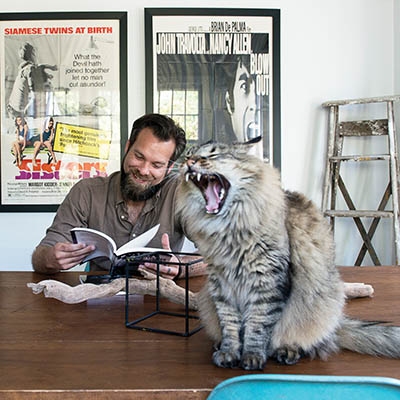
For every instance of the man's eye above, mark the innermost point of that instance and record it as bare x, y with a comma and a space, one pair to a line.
139, 156
244, 86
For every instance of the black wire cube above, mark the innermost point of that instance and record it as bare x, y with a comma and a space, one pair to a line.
190, 321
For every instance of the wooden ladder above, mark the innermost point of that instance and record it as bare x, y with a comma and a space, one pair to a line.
338, 131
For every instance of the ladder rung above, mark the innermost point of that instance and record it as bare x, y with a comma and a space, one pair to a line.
356, 157
364, 100
359, 213
373, 127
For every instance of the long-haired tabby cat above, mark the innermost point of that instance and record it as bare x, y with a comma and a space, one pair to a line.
272, 289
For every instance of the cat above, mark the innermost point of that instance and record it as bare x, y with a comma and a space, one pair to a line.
272, 289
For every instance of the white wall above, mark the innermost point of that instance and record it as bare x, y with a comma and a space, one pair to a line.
329, 50
396, 18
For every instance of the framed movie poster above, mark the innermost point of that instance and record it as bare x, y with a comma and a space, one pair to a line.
217, 73
63, 103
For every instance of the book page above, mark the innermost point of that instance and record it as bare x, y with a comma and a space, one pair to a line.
105, 245
138, 245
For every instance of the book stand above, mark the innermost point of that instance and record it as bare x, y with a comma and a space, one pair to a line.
131, 266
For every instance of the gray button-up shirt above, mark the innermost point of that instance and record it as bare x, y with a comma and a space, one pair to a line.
97, 203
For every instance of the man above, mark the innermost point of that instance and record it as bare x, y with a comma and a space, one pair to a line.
240, 119
123, 205
241, 104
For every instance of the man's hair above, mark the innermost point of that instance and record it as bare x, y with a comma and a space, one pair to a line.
240, 62
164, 128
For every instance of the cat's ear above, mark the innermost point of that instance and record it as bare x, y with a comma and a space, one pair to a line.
253, 141
253, 147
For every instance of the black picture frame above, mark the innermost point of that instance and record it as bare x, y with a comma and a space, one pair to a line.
78, 77
192, 49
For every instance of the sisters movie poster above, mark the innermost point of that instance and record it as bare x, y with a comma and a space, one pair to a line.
60, 106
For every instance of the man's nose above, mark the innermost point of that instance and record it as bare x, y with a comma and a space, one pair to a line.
252, 98
144, 168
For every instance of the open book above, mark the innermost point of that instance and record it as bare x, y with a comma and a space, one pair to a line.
106, 247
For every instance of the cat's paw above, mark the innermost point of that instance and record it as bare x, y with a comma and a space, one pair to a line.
253, 361
226, 359
288, 355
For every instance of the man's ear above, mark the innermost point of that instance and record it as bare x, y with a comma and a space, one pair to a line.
228, 102
127, 146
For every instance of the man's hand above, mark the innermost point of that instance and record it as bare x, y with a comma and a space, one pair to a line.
68, 255
168, 271
61, 256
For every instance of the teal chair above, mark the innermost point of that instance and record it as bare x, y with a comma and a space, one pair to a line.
307, 387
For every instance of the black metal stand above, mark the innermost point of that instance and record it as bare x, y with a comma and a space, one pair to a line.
156, 258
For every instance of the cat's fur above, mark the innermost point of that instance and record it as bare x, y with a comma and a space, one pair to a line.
272, 289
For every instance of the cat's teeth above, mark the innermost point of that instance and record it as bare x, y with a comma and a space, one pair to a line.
222, 194
187, 176
198, 176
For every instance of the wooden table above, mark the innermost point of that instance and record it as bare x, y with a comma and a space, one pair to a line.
52, 350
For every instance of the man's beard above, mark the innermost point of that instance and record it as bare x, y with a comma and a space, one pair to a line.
131, 191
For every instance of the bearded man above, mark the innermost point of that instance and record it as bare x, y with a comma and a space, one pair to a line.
124, 204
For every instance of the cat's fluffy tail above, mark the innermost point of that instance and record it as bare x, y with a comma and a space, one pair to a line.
369, 338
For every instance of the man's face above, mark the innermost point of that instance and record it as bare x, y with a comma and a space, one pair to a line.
146, 163
243, 114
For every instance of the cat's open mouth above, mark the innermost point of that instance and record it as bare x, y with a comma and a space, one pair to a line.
214, 187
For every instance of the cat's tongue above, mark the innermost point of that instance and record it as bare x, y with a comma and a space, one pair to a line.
212, 196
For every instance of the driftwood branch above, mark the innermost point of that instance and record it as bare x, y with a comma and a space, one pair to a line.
168, 289
353, 290
86, 291
76, 294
